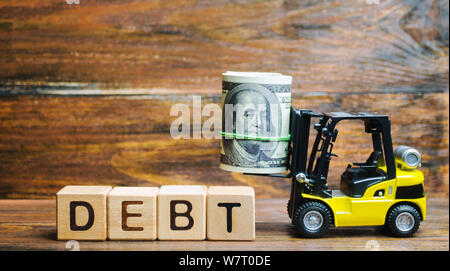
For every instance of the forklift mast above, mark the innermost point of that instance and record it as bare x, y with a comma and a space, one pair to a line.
299, 130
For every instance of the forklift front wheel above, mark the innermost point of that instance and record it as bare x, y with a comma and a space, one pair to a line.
312, 219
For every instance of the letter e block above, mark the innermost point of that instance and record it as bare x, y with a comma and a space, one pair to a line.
230, 213
81, 212
132, 213
182, 212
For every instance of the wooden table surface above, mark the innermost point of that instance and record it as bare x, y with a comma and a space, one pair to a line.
30, 225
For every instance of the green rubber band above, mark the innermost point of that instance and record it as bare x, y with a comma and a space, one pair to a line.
240, 136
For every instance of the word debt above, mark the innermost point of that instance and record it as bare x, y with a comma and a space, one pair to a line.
169, 212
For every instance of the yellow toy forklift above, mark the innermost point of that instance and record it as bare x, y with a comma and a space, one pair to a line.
386, 190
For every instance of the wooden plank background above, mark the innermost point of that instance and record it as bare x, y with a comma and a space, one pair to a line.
86, 90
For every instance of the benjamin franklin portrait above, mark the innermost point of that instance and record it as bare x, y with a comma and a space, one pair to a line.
256, 113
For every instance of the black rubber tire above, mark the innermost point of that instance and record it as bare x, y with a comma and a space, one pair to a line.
392, 228
288, 206
307, 207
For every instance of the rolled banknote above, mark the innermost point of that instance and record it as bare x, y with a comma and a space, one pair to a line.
255, 122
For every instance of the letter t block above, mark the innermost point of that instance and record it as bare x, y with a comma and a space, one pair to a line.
81, 212
182, 212
231, 213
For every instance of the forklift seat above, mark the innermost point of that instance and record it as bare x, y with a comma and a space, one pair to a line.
372, 161
356, 180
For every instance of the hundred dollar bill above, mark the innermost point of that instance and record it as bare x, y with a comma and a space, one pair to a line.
255, 122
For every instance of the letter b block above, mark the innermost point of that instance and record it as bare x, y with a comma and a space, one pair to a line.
182, 212
81, 212
231, 213
132, 213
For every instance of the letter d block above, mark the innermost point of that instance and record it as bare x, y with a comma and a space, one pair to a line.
182, 212
132, 213
81, 212
231, 213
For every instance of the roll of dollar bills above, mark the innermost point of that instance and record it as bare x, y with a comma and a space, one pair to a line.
255, 122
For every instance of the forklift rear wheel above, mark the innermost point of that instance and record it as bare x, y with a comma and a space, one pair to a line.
403, 221
312, 219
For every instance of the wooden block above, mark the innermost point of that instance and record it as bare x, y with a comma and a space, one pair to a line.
182, 212
132, 213
81, 212
230, 213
